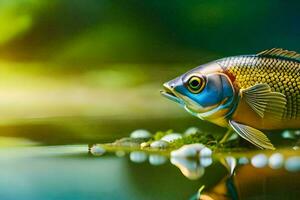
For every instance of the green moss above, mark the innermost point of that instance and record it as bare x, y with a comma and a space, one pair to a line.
158, 135
205, 139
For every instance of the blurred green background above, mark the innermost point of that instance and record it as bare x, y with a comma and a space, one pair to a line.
106, 60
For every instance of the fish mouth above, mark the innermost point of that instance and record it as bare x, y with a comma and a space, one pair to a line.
169, 94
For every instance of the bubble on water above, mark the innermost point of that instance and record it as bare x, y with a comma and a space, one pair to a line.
171, 137
276, 161
292, 164
141, 134
97, 150
259, 160
155, 159
138, 156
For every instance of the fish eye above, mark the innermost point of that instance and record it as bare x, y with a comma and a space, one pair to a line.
195, 84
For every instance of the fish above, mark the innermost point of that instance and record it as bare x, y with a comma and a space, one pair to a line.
246, 94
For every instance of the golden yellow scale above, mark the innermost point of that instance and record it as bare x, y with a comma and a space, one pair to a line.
280, 70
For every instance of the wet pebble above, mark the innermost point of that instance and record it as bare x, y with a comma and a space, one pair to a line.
171, 137
141, 133
192, 150
259, 160
144, 144
138, 156
160, 144
155, 159
97, 150
276, 161
292, 164
191, 131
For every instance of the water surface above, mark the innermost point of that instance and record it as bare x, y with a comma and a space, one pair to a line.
53, 167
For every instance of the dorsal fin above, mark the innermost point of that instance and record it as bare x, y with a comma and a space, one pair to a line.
280, 53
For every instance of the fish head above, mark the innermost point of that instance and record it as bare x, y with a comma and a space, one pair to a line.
205, 91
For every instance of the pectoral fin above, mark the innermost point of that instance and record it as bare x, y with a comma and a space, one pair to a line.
253, 135
264, 102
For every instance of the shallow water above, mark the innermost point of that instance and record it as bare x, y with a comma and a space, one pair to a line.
31, 169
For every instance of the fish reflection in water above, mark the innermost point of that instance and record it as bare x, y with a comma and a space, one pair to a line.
266, 178
258, 177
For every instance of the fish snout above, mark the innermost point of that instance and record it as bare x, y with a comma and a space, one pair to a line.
168, 90
173, 83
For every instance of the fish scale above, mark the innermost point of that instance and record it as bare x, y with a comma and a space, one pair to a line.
282, 75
